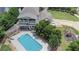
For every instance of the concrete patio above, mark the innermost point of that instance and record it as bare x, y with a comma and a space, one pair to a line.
18, 45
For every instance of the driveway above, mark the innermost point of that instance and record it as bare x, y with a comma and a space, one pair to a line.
68, 23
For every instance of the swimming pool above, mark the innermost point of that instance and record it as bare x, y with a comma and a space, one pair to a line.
29, 43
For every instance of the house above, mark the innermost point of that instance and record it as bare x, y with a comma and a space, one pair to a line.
29, 16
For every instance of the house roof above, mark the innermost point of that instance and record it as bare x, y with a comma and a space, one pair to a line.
45, 15
33, 12
29, 12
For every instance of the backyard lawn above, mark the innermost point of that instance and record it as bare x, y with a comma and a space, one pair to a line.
5, 48
63, 16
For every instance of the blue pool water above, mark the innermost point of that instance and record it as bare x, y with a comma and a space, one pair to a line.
29, 43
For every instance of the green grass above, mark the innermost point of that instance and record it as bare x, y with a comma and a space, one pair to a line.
63, 15
64, 44
5, 48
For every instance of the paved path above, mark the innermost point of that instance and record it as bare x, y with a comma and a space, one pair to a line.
68, 23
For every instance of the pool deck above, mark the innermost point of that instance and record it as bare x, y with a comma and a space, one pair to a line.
18, 45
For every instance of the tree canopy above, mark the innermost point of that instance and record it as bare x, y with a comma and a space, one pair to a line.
71, 10
49, 33
1, 34
74, 46
14, 11
8, 19
54, 41
40, 27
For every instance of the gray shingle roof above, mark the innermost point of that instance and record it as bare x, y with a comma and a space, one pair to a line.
33, 12
45, 14
29, 12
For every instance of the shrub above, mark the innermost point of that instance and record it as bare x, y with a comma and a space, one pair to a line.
14, 11
39, 28
74, 46
53, 41
1, 34
9, 19
49, 32
71, 10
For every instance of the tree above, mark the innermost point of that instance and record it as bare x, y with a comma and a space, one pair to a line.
3, 21
55, 39
74, 46
1, 34
68, 9
71, 10
7, 21
14, 11
57, 32
9, 18
47, 31
39, 28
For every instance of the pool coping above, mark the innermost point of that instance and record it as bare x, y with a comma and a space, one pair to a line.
19, 46
24, 42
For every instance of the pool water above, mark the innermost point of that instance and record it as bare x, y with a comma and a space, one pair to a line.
29, 43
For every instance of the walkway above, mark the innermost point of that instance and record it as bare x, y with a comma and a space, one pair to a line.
68, 23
